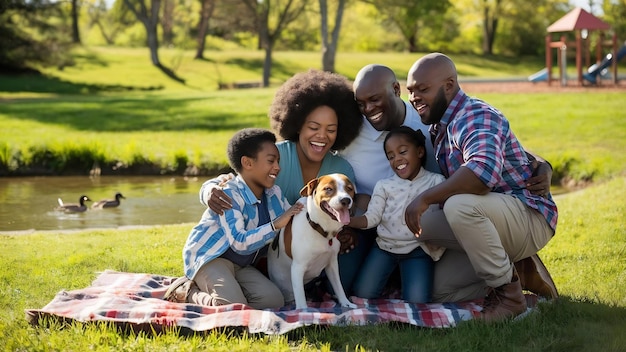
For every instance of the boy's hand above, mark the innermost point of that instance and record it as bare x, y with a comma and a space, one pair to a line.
283, 220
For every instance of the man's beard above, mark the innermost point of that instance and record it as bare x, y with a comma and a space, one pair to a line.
438, 107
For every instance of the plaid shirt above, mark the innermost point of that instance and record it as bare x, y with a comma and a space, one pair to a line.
473, 134
237, 228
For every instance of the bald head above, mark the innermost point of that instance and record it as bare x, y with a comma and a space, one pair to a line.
432, 84
434, 67
377, 92
374, 73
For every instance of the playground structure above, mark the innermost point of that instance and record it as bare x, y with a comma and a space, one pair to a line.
582, 23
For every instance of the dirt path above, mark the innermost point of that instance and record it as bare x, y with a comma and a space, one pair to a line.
540, 87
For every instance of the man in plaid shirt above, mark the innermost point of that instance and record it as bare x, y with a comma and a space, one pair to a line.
490, 215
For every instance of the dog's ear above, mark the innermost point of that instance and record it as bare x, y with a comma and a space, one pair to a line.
309, 188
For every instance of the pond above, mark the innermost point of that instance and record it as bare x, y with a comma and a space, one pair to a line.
28, 203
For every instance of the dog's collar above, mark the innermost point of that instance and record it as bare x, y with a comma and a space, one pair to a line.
317, 227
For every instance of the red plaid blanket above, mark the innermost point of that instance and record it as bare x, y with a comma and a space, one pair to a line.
136, 299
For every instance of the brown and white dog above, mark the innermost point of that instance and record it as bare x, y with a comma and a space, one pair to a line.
307, 245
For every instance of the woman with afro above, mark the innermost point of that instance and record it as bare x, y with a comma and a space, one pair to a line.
315, 114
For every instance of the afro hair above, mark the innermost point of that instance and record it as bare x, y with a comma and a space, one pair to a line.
306, 91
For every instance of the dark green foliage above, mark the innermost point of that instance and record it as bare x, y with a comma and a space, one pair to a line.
27, 38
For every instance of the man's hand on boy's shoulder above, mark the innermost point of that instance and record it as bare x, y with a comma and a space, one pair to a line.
219, 201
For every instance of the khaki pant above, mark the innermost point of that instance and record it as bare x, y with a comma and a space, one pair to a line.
220, 282
484, 235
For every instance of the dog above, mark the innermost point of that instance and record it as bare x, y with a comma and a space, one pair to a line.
307, 245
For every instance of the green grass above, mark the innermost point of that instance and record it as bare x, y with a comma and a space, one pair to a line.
580, 133
114, 107
586, 258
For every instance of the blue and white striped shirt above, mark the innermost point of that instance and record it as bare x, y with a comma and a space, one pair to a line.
237, 229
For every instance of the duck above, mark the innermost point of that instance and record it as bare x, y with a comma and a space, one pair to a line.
73, 207
108, 203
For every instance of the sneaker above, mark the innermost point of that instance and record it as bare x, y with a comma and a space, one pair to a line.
178, 290
504, 302
534, 277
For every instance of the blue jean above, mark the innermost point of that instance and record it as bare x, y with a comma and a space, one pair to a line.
350, 263
416, 274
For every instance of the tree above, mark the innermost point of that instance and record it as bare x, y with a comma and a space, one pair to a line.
408, 15
27, 36
167, 22
491, 10
110, 22
615, 15
208, 6
266, 13
329, 46
75, 31
150, 19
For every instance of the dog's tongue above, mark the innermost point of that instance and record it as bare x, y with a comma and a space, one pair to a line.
342, 216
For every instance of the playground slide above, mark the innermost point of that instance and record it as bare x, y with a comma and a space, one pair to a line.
539, 76
592, 72
597, 69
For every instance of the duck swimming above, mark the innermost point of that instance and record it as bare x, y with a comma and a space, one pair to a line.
108, 203
73, 207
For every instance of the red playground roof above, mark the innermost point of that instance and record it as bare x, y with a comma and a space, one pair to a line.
578, 19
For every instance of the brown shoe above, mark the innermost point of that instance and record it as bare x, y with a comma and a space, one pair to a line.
178, 290
504, 302
534, 277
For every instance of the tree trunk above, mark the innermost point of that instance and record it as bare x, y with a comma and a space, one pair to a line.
490, 25
203, 26
329, 46
267, 65
150, 22
412, 39
75, 31
107, 38
153, 45
167, 22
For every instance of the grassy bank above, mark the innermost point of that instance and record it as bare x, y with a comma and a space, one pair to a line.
582, 134
586, 258
114, 110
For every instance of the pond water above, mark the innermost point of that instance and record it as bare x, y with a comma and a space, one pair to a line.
28, 203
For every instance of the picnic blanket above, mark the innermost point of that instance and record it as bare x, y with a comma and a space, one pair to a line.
136, 299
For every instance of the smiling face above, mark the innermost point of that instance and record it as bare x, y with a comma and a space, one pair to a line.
432, 84
377, 94
405, 158
260, 172
333, 194
318, 134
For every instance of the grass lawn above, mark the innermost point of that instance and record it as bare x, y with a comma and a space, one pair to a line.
586, 258
114, 107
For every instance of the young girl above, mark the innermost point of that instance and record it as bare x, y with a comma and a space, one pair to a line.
396, 245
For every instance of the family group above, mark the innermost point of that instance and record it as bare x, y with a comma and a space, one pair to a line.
449, 205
